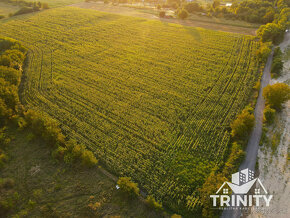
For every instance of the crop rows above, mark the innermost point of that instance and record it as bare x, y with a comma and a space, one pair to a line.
152, 100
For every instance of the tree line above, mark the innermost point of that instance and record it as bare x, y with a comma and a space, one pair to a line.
13, 113
26, 7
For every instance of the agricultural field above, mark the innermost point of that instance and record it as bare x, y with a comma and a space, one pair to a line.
59, 3
139, 10
152, 100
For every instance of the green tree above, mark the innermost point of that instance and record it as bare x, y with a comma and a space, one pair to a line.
128, 187
242, 126
150, 200
269, 114
182, 14
276, 94
264, 51
270, 32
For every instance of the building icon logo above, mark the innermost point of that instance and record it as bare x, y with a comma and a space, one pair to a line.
241, 184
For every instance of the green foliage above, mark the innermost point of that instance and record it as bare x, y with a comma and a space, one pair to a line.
277, 65
5, 112
217, 178
78, 153
3, 158
275, 141
270, 32
242, 125
181, 109
44, 126
25, 10
4, 139
176, 216
128, 187
193, 7
150, 200
44, 6
12, 56
69, 151
182, 14
234, 160
10, 75
269, 114
9, 94
263, 52
276, 94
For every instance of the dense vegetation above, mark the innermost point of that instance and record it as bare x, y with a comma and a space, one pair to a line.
276, 95
21, 133
277, 65
26, 6
153, 101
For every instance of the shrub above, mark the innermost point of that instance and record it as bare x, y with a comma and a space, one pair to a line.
176, 216
10, 75
150, 200
44, 127
9, 94
44, 6
75, 153
193, 7
88, 159
24, 10
162, 14
182, 14
3, 158
276, 94
2, 16
128, 187
158, 7
269, 114
264, 52
59, 153
5, 112
277, 65
242, 126
6, 183
4, 140
236, 157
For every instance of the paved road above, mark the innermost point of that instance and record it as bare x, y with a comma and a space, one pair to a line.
253, 144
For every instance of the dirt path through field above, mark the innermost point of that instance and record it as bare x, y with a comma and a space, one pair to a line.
127, 11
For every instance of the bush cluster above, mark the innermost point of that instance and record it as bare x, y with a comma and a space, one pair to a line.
243, 125
128, 187
277, 65
27, 6
12, 55
151, 202
276, 95
69, 151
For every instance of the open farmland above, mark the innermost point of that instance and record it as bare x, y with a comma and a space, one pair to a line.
153, 100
